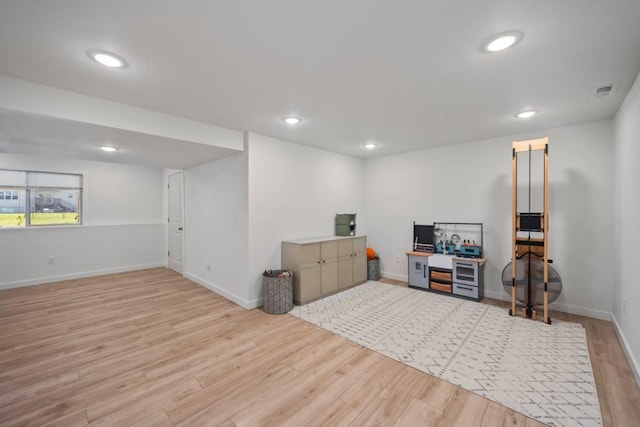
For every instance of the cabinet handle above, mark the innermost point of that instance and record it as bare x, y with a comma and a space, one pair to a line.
318, 261
323, 261
465, 288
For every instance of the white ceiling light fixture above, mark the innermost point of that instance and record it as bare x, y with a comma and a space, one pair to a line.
526, 114
108, 148
370, 146
292, 120
107, 59
501, 41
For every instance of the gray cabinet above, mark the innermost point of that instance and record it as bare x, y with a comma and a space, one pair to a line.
323, 266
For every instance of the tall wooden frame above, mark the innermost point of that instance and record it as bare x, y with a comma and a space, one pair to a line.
529, 310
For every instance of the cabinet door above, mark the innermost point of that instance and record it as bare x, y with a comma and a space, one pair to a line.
359, 269
329, 269
329, 277
345, 248
328, 250
345, 272
309, 254
359, 246
310, 285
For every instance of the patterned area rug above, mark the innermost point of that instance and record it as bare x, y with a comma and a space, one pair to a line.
542, 371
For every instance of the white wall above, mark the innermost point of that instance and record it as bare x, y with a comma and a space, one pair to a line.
78, 251
215, 227
471, 182
295, 192
240, 208
122, 225
627, 231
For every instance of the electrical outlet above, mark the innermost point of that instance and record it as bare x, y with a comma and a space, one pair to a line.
208, 267
52, 260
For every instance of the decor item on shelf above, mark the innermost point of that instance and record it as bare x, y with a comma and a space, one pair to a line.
470, 250
345, 224
450, 248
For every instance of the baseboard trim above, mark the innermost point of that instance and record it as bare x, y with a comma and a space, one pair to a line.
633, 363
394, 276
565, 308
60, 278
249, 305
581, 311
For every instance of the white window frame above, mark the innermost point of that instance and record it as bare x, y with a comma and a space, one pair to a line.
28, 188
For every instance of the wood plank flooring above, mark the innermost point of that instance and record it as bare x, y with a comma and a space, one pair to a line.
151, 348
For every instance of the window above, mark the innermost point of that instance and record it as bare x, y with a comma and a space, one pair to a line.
8, 195
39, 198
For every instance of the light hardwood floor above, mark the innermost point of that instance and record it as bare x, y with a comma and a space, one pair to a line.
152, 348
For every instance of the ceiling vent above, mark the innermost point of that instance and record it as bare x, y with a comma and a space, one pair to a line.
603, 91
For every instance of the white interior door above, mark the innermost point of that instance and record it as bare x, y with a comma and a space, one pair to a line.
175, 222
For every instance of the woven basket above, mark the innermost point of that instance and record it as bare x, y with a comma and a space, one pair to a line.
277, 294
373, 269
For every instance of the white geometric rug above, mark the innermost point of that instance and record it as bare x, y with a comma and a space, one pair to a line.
542, 371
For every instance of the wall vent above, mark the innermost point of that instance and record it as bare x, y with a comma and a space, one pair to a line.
603, 91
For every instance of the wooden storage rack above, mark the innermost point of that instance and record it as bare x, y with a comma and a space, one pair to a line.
527, 221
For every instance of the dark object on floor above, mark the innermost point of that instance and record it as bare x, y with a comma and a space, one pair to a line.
277, 291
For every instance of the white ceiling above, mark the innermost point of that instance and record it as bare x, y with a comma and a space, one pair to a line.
25, 133
404, 74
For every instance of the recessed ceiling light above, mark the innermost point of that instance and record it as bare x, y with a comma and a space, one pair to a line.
526, 114
370, 146
108, 149
501, 41
108, 59
292, 120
